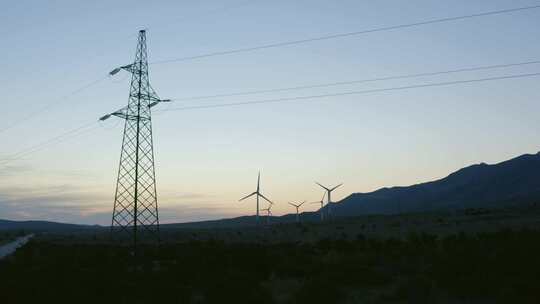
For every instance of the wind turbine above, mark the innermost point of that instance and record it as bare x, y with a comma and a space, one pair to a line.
268, 212
257, 194
329, 193
297, 210
322, 205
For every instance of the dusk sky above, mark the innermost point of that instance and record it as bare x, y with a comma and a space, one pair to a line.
206, 159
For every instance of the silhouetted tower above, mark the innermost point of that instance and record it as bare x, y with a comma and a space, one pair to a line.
321, 211
329, 196
135, 212
297, 206
257, 193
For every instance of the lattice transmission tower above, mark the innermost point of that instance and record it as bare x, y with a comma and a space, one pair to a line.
135, 213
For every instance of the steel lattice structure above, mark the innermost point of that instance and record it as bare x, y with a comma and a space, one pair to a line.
135, 212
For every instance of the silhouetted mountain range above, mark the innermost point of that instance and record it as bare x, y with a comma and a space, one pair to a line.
40, 226
509, 183
515, 182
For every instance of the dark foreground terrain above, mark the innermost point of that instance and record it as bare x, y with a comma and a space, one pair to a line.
9, 236
490, 267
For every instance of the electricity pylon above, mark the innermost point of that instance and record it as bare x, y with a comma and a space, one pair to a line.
135, 212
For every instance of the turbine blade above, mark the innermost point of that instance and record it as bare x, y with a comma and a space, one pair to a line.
247, 196
324, 195
336, 187
265, 198
322, 186
302, 204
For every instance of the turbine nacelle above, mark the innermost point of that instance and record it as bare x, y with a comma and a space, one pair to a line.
329, 189
297, 205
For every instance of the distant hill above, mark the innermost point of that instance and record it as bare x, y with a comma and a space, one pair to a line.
37, 226
509, 183
243, 221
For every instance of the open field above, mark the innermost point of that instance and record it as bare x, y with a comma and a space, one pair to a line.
374, 226
9, 236
499, 267
476, 256
352, 228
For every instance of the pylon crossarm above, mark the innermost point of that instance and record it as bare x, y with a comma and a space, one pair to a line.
125, 67
129, 68
119, 113
122, 114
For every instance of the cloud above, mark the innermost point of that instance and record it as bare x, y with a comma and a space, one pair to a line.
76, 204
12, 170
187, 213
58, 213
65, 203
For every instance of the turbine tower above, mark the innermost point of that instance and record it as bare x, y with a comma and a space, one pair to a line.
268, 213
257, 194
321, 211
135, 211
297, 206
329, 193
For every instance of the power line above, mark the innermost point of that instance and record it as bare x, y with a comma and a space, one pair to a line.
90, 84
53, 104
324, 85
300, 98
449, 19
55, 140
81, 129
348, 34
47, 142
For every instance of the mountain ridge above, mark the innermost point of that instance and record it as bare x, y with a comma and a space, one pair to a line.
37, 225
513, 182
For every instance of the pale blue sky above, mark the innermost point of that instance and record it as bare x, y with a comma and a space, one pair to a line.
207, 159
